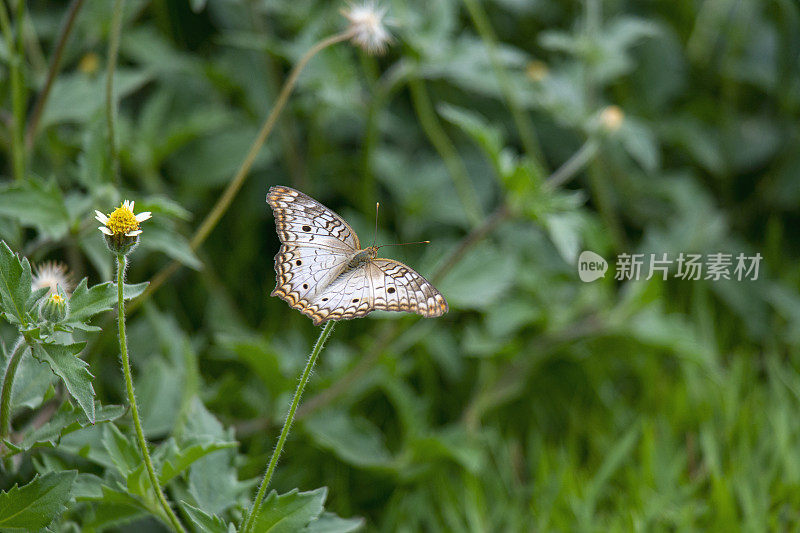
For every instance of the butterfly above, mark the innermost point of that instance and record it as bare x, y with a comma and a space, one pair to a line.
323, 272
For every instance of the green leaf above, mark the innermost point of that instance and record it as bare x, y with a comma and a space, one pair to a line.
15, 284
355, 440
65, 363
213, 481
485, 135
93, 162
178, 460
36, 205
289, 512
67, 420
204, 521
167, 240
76, 97
122, 451
85, 303
330, 523
114, 507
31, 384
33, 506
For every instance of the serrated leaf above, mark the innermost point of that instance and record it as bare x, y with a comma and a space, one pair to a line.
290, 512
15, 284
73, 371
122, 451
85, 303
205, 522
33, 299
179, 460
33, 506
67, 420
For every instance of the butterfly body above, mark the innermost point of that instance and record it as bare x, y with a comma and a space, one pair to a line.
323, 272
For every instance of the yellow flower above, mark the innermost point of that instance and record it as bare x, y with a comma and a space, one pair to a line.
121, 227
367, 27
52, 274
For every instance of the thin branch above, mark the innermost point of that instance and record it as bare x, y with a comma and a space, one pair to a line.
52, 72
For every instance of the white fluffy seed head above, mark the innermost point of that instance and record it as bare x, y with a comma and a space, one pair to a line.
367, 26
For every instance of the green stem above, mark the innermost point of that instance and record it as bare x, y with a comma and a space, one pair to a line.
249, 518
574, 164
523, 123
17, 87
441, 142
8, 383
137, 423
111, 105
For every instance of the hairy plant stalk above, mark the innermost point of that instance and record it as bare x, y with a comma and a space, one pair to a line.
8, 384
111, 104
137, 423
224, 202
249, 518
52, 71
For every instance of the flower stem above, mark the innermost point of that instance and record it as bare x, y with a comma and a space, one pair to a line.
249, 518
8, 383
137, 423
211, 220
111, 105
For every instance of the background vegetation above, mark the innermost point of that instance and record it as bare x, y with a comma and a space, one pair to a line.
538, 402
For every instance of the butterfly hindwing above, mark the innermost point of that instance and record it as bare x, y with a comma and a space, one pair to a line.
304, 270
398, 287
348, 296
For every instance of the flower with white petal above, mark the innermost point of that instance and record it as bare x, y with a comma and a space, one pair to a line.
367, 26
121, 227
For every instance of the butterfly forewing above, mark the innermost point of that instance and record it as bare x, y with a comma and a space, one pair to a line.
301, 220
318, 275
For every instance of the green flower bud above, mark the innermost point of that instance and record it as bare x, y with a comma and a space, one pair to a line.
55, 307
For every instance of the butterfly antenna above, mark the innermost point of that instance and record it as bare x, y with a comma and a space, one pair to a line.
404, 243
375, 235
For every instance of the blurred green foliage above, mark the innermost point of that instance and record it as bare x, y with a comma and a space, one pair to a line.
539, 402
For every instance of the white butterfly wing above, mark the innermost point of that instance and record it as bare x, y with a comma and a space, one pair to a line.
398, 287
316, 245
312, 267
347, 296
302, 221
303, 270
